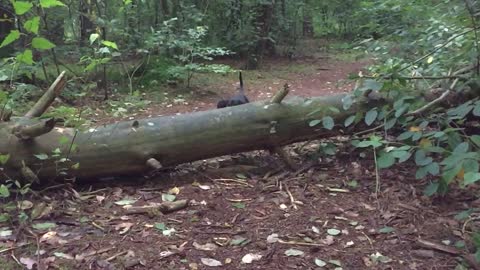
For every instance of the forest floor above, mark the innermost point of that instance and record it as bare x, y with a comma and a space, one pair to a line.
246, 211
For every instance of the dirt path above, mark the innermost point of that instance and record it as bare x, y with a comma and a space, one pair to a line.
246, 206
307, 78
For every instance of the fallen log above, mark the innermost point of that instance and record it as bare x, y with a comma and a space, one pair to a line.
137, 146
38, 152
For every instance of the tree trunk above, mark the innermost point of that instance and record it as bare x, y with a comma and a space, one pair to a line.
86, 25
130, 147
264, 22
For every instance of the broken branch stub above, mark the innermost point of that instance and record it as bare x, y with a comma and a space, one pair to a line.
48, 97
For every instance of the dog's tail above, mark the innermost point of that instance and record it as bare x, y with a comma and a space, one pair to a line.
241, 81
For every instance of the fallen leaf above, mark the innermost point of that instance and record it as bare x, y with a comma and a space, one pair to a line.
63, 255
51, 238
24, 205
125, 202
204, 187
210, 262
386, 230
168, 197
5, 233
333, 232
378, 257
320, 263
353, 223
44, 226
329, 240
124, 227
250, 257
272, 238
165, 254
28, 262
238, 241
41, 210
99, 198
174, 191
169, 232
206, 247
294, 252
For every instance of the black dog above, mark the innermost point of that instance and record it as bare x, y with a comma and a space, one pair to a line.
238, 99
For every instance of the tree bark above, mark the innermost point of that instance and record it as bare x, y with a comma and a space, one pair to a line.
128, 147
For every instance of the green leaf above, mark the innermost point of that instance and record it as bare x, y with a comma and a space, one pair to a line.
399, 153
433, 168
4, 218
390, 123
347, 102
41, 156
328, 122
475, 139
372, 85
431, 189
21, 7
93, 37
44, 226
476, 110
421, 159
51, 3
401, 110
32, 25
314, 122
464, 215
385, 160
11, 37
239, 205
4, 159
421, 172
237, 241
371, 116
470, 178
353, 183
405, 135
110, 44
350, 120
42, 43
160, 226
416, 136
334, 109
4, 191
386, 230
461, 148
470, 165
25, 57
449, 175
